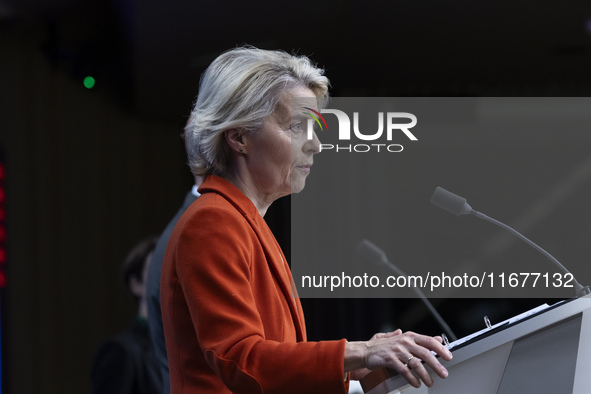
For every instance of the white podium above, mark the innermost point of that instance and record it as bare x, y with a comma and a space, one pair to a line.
549, 352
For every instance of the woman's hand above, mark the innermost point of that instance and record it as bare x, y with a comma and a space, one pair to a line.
400, 352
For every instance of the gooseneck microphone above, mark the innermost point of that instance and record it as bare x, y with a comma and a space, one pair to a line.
377, 256
459, 206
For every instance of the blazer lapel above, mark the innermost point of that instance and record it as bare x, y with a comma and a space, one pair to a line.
275, 257
278, 265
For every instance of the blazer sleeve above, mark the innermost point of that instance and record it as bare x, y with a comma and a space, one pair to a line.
214, 262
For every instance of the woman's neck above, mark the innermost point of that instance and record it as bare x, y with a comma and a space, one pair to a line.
245, 184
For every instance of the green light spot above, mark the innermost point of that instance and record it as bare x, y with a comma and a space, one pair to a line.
89, 82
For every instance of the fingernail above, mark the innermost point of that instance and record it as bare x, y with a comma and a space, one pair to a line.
445, 373
449, 354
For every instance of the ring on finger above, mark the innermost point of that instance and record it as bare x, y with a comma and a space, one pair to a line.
409, 360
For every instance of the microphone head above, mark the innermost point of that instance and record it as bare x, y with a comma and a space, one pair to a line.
371, 252
450, 202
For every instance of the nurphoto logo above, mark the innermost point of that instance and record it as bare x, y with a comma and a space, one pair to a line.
393, 123
318, 115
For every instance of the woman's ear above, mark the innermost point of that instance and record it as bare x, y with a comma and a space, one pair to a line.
235, 140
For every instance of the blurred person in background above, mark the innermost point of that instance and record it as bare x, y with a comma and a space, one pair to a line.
125, 364
153, 288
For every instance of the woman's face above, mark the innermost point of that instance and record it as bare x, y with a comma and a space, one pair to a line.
281, 155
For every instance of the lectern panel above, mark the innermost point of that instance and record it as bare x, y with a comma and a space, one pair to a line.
544, 361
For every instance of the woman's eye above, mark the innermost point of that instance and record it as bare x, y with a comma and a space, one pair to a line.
297, 127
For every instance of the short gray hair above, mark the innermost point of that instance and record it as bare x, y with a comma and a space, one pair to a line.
240, 89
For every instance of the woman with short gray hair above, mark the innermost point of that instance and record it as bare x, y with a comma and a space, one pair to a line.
232, 319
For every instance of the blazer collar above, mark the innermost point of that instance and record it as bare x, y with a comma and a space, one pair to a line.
215, 184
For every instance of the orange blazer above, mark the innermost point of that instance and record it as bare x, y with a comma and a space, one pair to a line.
232, 319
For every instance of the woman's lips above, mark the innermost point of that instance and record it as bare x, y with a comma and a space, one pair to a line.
305, 168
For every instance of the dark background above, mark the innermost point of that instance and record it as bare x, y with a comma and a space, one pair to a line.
91, 172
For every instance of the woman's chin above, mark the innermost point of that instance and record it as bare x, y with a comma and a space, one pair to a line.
297, 185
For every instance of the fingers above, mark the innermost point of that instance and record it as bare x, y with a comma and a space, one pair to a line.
403, 369
387, 334
414, 371
434, 344
405, 353
424, 346
418, 369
